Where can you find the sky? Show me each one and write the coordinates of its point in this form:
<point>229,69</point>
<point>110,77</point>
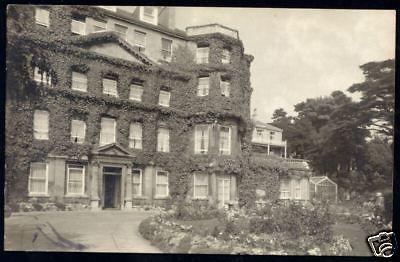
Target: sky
<point>301,53</point>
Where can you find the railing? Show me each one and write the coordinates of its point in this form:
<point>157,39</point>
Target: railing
<point>212,28</point>
<point>270,142</point>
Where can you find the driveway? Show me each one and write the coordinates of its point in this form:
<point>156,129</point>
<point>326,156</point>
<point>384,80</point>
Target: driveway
<point>88,231</point>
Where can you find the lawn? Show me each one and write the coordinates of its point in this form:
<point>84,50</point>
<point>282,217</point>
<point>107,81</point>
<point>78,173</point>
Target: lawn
<point>357,237</point>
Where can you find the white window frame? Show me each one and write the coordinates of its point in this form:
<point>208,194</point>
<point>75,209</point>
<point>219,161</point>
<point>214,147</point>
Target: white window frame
<point>195,196</point>
<point>38,20</point>
<point>225,60</point>
<point>167,94</point>
<point>200,59</point>
<point>133,138</point>
<point>30,193</point>
<point>203,89</point>
<point>140,184</point>
<point>122,35</point>
<point>225,86</point>
<point>221,150</point>
<point>44,78</point>
<point>149,19</point>
<point>81,26</point>
<point>115,94</point>
<point>284,192</point>
<point>198,137</point>
<point>80,140</point>
<point>44,133</point>
<point>166,54</point>
<point>141,46</point>
<point>80,80</point>
<point>156,193</point>
<point>115,129</point>
<point>69,167</point>
<point>133,96</point>
<point>162,137</point>
<point>99,24</point>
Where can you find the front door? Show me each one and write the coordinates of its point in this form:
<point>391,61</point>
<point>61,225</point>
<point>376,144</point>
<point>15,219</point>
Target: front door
<point>224,191</point>
<point>112,187</point>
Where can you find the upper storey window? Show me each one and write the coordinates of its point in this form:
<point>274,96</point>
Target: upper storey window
<point>42,17</point>
<point>140,40</point>
<point>202,54</point>
<point>149,14</point>
<point>203,86</point>
<point>107,131</point>
<point>110,87</point>
<point>121,30</point>
<point>41,76</point>
<point>226,56</point>
<point>41,125</point>
<point>78,25</point>
<point>79,82</point>
<point>99,26</point>
<point>136,91</point>
<point>225,87</point>
<point>164,98</point>
<point>166,49</point>
<point>225,140</point>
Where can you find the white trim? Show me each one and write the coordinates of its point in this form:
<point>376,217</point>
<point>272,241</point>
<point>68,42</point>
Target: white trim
<point>141,183</point>
<point>194,186</point>
<point>83,179</point>
<point>46,182</point>
<point>156,193</point>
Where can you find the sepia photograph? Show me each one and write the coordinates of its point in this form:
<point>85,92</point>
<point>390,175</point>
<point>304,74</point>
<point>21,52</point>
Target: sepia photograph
<point>199,130</point>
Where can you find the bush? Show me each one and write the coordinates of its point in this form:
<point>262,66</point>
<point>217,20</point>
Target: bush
<point>14,207</point>
<point>60,206</point>
<point>145,228</point>
<point>195,211</point>
<point>37,207</point>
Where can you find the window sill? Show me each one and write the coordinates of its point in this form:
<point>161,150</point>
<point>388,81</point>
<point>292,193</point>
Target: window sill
<point>39,195</point>
<point>161,197</point>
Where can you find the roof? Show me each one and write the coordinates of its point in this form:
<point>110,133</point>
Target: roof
<point>266,126</point>
<point>319,179</point>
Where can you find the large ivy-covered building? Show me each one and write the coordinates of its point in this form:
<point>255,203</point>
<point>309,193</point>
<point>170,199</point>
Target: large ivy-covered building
<point>111,118</point>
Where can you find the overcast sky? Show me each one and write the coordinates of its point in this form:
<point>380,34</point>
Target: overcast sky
<point>302,53</point>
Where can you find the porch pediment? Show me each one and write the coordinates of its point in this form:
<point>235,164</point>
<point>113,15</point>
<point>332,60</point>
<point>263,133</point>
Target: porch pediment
<point>113,150</point>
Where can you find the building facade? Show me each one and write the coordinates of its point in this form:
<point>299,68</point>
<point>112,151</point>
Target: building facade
<point>111,122</point>
<point>267,139</point>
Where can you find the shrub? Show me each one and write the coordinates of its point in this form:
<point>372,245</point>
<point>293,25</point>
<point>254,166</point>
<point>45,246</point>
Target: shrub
<point>14,207</point>
<point>37,207</point>
<point>195,211</point>
<point>145,228</point>
<point>60,206</point>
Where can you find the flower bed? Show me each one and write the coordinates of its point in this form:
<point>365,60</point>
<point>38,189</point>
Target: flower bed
<point>272,230</point>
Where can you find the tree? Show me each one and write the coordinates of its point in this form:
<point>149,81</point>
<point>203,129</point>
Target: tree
<point>378,95</point>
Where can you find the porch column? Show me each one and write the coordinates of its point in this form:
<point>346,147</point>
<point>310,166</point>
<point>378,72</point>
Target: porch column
<point>128,188</point>
<point>285,148</point>
<point>268,149</point>
<point>94,195</point>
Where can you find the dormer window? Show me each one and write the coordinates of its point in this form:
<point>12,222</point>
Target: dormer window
<point>149,14</point>
<point>78,25</point>
<point>140,40</point>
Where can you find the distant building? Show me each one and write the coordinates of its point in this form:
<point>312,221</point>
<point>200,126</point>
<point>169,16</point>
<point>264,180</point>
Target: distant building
<point>267,140</point>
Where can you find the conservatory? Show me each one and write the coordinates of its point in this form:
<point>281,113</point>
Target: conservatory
<point>323,189</point>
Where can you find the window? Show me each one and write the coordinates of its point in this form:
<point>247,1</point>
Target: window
<point>78,25</point>
<point>99,26</point>
<point>107,133</point>
<point>38,179</point>
<point>121,30</point>
<point>136,92</point>
<point>164,98</point>
<point>137,182</point>
<point>163,140</point>
<point>140,40</point>
<point>135,136</point>
<point>200,187</point>
<point>226,56</point>
<point>225,87</point>
<point>260,134</point>
<point>225,140</point>
<point>166,49</point>
<point>285,189</point>
<point>79,82</point>
<point>149,14</point>
<point>78,129</point>
<point>41,76</point>
<point>162,184</point>
<point>202,55</point>
<point>110,87</point>
<point>42,17</point>
<point>75,180</point>
<point>297,188</point>
<point>203,86</point>
<point>201,139</point>
<point>272,134</point>
<point>41,125</point>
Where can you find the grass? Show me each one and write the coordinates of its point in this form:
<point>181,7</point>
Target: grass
<point>357,237</point>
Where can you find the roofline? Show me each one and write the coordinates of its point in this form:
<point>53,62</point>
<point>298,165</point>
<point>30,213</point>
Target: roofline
<point>143,24</point>
<point>197,26</point>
